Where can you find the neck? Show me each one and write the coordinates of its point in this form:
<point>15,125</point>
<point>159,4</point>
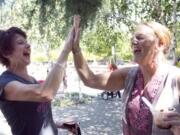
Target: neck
<point>19,71</point>
<point>153,67</point>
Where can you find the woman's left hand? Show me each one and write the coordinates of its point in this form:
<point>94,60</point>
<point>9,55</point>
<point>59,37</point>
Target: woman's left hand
<point>167,119</point>
<point>175,130</point>
<point>173,119</point>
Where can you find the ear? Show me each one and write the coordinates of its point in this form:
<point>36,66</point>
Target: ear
<point>7,56</point>
<point>160,46</point>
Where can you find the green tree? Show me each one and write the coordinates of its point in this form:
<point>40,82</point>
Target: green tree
<point>105,23</point>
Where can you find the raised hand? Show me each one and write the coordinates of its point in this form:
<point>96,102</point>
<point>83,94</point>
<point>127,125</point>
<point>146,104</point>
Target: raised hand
<point>72,40</point>
<point>76,22</point>
<point>69,40</point>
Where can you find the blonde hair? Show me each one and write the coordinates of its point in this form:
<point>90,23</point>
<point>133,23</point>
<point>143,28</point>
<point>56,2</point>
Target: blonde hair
<point>162,32</point>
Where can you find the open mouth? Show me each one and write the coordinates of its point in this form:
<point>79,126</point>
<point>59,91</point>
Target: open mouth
<point>26,54</point>
<point>137,51</point>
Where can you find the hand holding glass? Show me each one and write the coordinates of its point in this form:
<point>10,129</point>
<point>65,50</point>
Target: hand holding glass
<point>159,116</point>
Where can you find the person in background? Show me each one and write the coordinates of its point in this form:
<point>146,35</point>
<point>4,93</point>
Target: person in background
<point>152,78</point>
<point>112,67</point>
<point>25,103</point>
<point>65,80</point>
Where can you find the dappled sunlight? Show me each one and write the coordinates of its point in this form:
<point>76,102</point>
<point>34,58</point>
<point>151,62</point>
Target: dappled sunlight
<point>102,117</point>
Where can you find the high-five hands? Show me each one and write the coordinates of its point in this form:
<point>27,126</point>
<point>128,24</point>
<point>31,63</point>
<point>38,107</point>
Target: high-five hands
<point>76,22</point>
<point>72,40</point>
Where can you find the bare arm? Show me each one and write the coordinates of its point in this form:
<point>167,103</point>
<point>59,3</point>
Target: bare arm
<point>107,81</point>
<point>46,91</point>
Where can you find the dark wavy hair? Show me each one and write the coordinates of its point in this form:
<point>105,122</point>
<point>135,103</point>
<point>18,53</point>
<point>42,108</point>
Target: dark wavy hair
<point>6,43</point>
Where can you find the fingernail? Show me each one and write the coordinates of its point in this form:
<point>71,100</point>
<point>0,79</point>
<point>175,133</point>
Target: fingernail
<point>171,109</point>
<point>162,110</point>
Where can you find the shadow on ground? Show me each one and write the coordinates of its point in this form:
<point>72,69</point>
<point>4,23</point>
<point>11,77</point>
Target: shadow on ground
<point>101,117</point>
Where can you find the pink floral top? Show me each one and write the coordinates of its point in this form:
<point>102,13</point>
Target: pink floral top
<point>138,115</point>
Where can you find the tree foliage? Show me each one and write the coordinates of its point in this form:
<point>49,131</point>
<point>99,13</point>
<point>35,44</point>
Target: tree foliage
<point>47,10</point>
<point>104,23</point>
<point>87,9</point>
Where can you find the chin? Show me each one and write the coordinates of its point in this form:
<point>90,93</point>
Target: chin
<point>28,62</point>
<point>138,61</point>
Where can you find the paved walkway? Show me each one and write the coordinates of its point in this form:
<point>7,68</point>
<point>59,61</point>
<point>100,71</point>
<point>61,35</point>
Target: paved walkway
<point>101,117</point>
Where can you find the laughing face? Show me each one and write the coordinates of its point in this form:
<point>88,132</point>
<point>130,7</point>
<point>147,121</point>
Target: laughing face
<point>22,51</point>
<point>145,45</point>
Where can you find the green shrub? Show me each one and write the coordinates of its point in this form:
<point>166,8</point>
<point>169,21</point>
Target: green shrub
<point>72,99</point>
<point>178,64</point>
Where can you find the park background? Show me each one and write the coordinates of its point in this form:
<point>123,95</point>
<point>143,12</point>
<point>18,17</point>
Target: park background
<point>106,27</point>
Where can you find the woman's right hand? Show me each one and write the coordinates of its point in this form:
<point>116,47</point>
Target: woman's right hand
<point>69,40</point>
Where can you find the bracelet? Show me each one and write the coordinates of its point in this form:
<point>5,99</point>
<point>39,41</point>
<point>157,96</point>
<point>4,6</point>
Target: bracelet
<point>63,66</point>
<point>77,52</point>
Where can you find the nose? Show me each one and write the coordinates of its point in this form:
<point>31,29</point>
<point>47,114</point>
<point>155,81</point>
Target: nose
<point>134,41</point>
<point>28,45</point>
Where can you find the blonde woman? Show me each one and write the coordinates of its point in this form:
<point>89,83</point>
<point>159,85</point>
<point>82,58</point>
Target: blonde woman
<point>152,79</point>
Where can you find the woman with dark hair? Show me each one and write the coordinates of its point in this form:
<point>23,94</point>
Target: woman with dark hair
<point>25,103</point>
<point>152,79</point>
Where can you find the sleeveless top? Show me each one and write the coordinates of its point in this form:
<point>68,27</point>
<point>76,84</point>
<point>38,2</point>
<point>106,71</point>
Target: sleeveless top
<point>26,117</point>
<point>140,121</point>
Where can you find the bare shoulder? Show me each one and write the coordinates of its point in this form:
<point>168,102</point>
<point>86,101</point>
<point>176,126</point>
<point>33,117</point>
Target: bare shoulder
<point>121,74</point>
<point>176,72</point>
<point>178,83</point>
<point>15,90</point>
<point>124,70</point>
<point>178,80</point>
